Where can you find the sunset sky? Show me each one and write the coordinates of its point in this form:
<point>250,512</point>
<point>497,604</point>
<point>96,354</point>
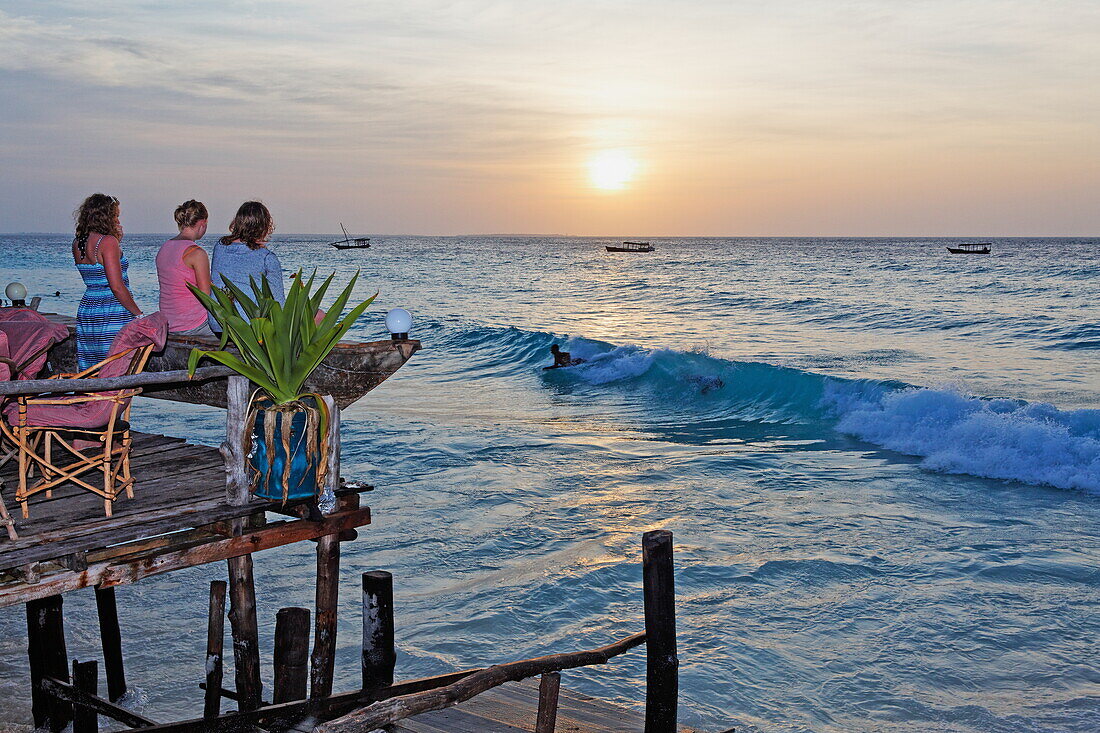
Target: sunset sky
<point>694,117</point>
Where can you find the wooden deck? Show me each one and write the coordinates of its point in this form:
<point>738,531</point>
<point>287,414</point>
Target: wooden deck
<point>178,517</point>
<point>512,708</point>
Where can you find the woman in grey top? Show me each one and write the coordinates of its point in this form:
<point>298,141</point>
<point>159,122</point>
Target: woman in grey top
<point>242,254</point>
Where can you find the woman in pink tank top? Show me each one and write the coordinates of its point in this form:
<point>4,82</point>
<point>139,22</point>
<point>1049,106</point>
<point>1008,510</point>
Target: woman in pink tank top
<point>181,262</point>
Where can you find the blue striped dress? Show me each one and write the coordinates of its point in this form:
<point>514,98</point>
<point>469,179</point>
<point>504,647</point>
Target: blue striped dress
<point>100,315</point>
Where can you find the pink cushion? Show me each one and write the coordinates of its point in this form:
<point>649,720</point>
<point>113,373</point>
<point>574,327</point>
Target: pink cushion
<point>29,332</point>
<point>151,329</point>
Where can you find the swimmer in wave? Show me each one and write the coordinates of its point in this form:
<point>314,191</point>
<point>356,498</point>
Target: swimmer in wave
<point>562,359</point>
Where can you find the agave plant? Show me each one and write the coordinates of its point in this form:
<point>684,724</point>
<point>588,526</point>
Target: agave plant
<point>279,344</point>
<point>278,347</point>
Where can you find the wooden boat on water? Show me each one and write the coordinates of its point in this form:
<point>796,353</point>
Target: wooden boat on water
<point>351,242</point>
<point>350,371</point>
<point>975,248</point>
<point>631,247</point>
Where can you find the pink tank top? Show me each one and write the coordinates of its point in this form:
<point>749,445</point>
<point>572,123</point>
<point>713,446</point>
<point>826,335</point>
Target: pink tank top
<point>177,303</point>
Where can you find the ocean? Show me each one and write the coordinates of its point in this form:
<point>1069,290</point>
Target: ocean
<point>880,462</point>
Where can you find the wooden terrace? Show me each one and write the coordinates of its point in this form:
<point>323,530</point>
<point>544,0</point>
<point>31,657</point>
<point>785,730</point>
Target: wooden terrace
<point>193,506</point>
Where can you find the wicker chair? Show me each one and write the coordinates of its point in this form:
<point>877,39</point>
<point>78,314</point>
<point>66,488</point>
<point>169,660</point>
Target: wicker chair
<point>90,430</point>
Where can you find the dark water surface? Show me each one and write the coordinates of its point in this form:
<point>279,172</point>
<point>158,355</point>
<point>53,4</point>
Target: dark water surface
<point>881,464</point>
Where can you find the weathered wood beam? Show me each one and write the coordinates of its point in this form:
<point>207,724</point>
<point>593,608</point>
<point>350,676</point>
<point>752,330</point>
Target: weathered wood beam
<point>110,635</point>
<point>109,384</point>
<point>246,634</point>
<point>387,712</point>
<point>289,713</point>
<point>215,643</point>
<point>121,572</point>
<point>64,691</point>
<point>291,654</point>
<point>323,659</point>
<point>547,717</point>
<point>85,679</point>
<point>238,484</point>
<point>379,653</point>
<point>48,658</point>
<point>662,677</point>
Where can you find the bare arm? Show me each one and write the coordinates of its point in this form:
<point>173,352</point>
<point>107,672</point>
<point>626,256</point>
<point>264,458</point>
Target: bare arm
<point>109,256</point>
<point>196,258</point>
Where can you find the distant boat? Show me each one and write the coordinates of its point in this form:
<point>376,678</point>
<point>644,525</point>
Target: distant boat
<point>351,243</point>
<point>632,247</point>
<point>977,248</point>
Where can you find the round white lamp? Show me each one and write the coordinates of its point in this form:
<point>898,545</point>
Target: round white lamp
<point>399,322</point>
<point>17,294</point>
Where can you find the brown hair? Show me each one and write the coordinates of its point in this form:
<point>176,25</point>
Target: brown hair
<point>190,213</point>
<point>99,214</point>
<point>252,225</point>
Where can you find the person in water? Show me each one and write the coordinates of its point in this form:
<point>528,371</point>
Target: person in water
<point>182,262</point>
<point>242,254</point>
<point>562,358</point>
<point>107,304</point>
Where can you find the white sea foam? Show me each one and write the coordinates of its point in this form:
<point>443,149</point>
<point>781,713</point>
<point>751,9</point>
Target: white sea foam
<point>1004,439</point>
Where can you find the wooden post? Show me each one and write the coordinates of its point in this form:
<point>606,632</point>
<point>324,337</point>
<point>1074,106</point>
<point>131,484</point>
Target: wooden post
<point>234,450</point>
<point>662,681</point>
<point>48,658</point>
<point>291,654</point>
<point>548,703</point>
<point>111,639</point>
<point>215,640</point>
<point>242,586</point>
<point>379,655</point>
<point>85,679</point>
<point>246,634</point>
<point>323,659</point>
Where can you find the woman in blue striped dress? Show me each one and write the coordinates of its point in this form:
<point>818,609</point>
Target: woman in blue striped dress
<point>107,304</point>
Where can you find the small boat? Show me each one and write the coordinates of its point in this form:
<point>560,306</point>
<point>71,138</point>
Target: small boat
<point>976,248</point>
<point>349,372</point>
<point>350,242</point>
<point>632,247</point>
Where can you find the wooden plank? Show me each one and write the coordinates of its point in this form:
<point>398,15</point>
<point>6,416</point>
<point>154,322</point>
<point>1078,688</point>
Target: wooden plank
<point>119,572</point>
<point>290,713</point>
<point>64,691</point>
<point>390,711</point>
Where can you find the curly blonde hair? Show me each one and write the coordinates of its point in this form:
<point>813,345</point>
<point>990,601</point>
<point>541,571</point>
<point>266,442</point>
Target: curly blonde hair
<point>190,213</point>
<point>98,214</point>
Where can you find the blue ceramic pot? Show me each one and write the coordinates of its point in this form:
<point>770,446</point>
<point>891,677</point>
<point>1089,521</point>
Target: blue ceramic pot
<point>303,466</point>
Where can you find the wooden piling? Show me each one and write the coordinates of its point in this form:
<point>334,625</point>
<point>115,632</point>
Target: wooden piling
<point>662,681</point>
<point>48,658</point>
<point>215,640</point>
<point>242,585</point>
<point>242,621</point>
<point>234,450</point>
<point>323,659</point>
<point>85,679</point>
<point>111,638</point>
<point>379,654</point>
<point>291,654</point>
<point>547,718</point>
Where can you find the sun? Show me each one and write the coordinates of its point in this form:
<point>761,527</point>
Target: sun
<point>611,170</point>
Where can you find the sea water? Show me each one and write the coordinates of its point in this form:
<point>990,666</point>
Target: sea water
<point>880,462</point>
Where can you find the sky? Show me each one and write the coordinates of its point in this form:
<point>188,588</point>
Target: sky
<point>583,117</point>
